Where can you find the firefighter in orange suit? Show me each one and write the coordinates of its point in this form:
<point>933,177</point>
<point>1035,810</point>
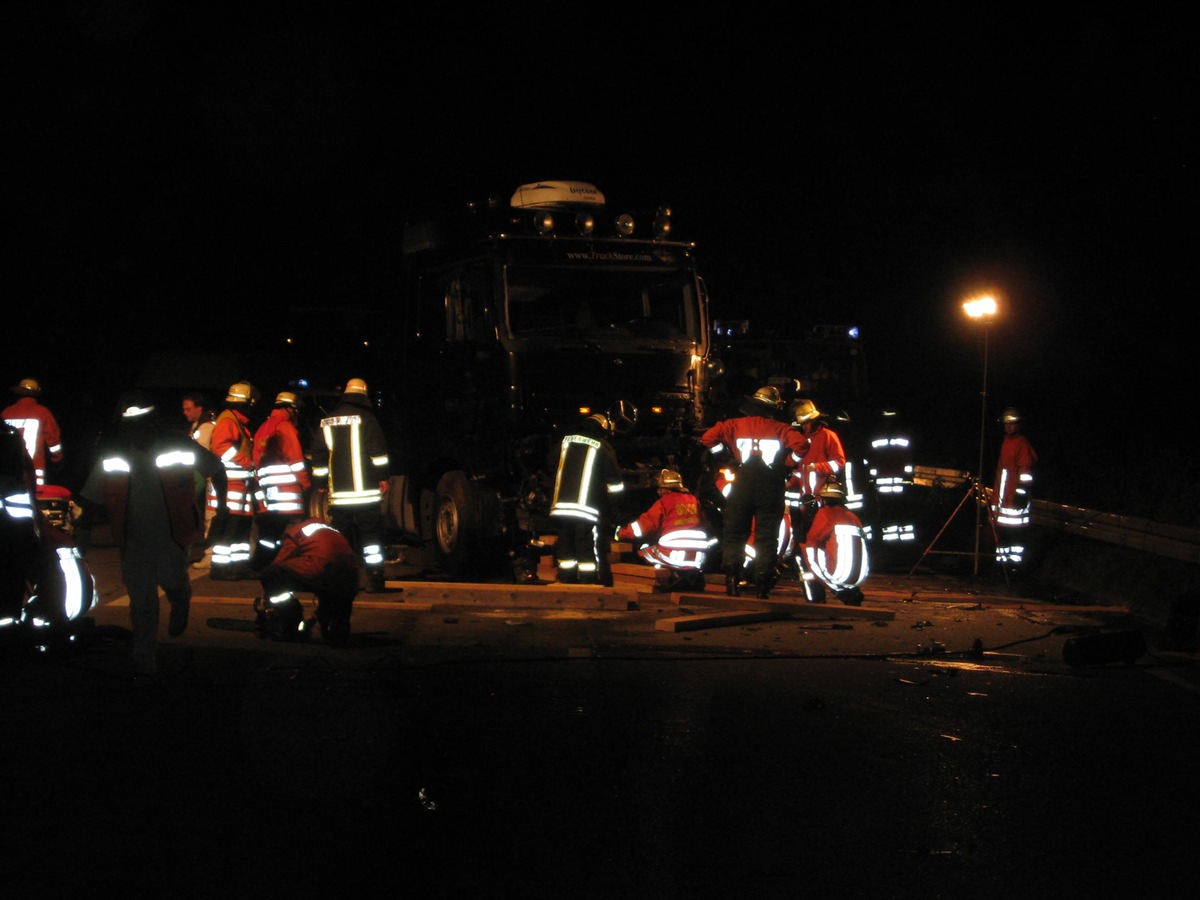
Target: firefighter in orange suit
<point>671,533</point>
<point>147,480</point>
<point>312,556</point>
<point>835,550</point>
<point>281,478</point>
<point>1011,499</point>
<point>764,451</point>
<point>37,425</point>
<point>350,461</point>
<point>233,524</point>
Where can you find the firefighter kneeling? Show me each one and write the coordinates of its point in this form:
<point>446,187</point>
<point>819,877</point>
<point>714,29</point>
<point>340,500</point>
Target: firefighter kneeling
<point>314,557</point>
<point>834,550</point>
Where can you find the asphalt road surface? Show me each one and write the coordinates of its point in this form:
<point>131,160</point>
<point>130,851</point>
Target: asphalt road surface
<point>473,742</point>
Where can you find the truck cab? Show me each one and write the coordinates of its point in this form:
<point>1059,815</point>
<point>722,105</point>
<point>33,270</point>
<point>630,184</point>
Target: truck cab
<point>519,315</point>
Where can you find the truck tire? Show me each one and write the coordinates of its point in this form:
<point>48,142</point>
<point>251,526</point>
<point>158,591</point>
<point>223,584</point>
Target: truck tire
<point>464,527</point>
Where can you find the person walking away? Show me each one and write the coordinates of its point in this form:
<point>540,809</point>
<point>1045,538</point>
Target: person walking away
<point>145,479</point>
<point>37,425</point>
<point>586,478</point>
<point>281,477</point>
<point>199,417</point>
<point>671,534</point>
<point>835,549</point>
<point>1011,499</point>
<point>233,521</point>
<point>349,456</point>
<point>763,451</point>
<point>316,557</point>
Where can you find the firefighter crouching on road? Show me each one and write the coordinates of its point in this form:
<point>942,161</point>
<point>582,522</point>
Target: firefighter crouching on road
<point>281,479</point>
<point>314,557</point>
<point>671,534</point>
<point>586,477</point>
<point>233,521</point>
<point>350,461</point>
<point>764,451</point>
<point>147,481</point>
<point>835,550</point>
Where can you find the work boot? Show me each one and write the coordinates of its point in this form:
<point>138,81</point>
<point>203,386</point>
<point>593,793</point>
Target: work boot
<point>851,597</point>
<point>733,584</point>
<point>177,623</point>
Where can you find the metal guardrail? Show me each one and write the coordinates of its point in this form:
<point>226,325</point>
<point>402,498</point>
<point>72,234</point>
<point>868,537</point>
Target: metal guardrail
<point>1172,541</point>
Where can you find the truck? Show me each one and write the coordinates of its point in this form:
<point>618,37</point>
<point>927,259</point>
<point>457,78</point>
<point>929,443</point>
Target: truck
<point>518,315</point>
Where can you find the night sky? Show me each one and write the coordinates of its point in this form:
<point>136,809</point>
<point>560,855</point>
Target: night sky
<point>177,168</point>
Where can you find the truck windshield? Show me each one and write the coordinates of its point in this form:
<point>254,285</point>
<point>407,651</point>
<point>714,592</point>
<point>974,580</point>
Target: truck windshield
<point>613,303</point>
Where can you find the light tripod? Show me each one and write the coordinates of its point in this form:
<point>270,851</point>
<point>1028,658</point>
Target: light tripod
<point>974,490</point>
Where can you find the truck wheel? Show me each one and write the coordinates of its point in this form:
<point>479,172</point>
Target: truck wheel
<point>463,526</point>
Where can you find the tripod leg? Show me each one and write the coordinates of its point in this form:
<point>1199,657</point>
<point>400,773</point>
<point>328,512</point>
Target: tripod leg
<point>991,514</point>
<point>968,495</point>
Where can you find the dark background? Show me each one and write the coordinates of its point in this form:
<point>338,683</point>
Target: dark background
<point>193,173</point>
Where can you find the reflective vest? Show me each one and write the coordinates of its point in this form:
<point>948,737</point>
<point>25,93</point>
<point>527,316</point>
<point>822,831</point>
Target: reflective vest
<point>280,471</point>
<point>233,445</point>
<point>587,471</point>
<point>175,467</point>
<point>836,548</point>
<point>671,532</point>
<point>350,452</point>
<point>40,431</point>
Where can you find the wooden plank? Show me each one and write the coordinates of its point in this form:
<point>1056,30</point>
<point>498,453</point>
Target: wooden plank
<point>792,609</point>
<point>544,596</point>
<point>715,620</point>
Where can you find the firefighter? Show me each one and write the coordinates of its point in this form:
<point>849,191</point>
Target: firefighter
<point>233,520</point>
<point>37,425</point>
<point>823,460</point>
<point>44,580</point>
<point>587,477</point>
<point>281,477</point>
<point>1011,499</point>
<point>350,463</point>
<point>835,549</point>
<point>312,556</point>
<point>146,479</point>
<point>671,534</point>
<point>762,450</point>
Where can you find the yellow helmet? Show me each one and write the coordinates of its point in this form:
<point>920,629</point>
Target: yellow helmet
<point>27,387</point>
<point>242,392</point>
<point>804,411</point>
<point>603,421</point>
<point>285,398</point>
<point>768,396</point>
<point>832,490</point>
<point>1010,415</point>
<point>670,479</point>
<point>356,386</point>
